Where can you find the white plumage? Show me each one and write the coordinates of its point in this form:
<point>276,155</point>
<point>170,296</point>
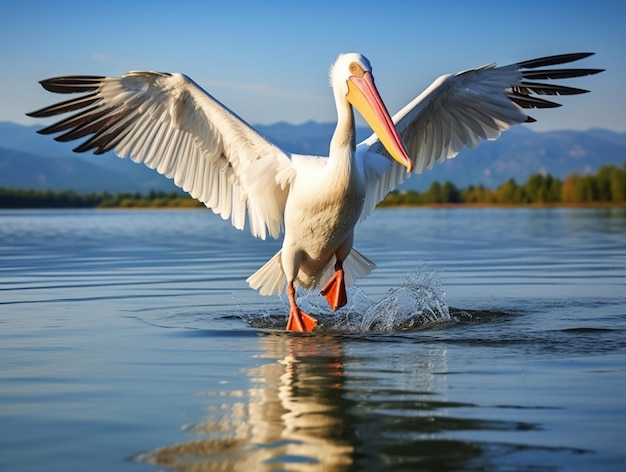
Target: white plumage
<point>170,124</point>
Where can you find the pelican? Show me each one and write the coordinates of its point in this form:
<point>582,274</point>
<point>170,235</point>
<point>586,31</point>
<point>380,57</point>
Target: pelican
<point>169,123</point>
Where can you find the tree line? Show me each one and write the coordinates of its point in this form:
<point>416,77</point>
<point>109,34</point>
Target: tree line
<point>608,185</point>
<point>18,198</point>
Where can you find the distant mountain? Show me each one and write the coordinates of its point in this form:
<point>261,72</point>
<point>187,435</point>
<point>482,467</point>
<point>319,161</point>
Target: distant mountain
<point>29,160</point>
<point>30,171</point>
<point>308,138</point>
<point>520,152</point>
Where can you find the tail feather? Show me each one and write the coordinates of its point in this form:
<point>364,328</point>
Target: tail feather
<point>355,266</point>
<point>269,279</point>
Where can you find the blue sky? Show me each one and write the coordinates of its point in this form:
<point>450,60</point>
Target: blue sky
<point>269,60</point>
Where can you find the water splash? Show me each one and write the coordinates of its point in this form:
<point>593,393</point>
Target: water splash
<point>417,303</point>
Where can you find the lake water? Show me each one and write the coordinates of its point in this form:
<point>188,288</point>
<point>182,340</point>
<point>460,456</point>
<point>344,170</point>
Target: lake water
<point>486,339</point>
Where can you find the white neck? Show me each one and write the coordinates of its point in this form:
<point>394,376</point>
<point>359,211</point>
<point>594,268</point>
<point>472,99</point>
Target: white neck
<point>343,142</point>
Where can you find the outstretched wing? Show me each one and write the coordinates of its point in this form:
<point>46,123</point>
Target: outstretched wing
<point>457,110</point>
<point>170,124</point>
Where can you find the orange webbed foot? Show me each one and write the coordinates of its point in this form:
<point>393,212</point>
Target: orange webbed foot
<point>300,321</point>
<point>335,290</point>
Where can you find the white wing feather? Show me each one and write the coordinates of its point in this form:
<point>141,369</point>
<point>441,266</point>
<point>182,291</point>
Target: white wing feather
<point>170,124</point>
<point>456,111</point>
<point>453,112</point>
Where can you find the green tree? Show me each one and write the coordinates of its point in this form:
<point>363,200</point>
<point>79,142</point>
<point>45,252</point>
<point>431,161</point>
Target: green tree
<point>586,189</point>
<point>618,184</point>
<point>603,184</point>
<point>542,189</point>
<point>449,193</point>
<point>509,192</point>
<point>433,194</point>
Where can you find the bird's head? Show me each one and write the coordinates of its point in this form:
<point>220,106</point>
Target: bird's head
<point>351,77</point>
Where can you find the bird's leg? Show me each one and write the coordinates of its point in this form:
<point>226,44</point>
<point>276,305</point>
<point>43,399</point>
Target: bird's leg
<point>298,319</point>
<point>335,288</point>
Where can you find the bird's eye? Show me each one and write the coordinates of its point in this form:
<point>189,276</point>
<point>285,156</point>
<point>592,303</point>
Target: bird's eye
<point>356,69</point>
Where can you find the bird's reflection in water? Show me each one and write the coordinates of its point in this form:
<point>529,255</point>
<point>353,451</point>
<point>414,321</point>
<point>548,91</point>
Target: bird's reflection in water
<point>292,417</point>
<point>319,402</point>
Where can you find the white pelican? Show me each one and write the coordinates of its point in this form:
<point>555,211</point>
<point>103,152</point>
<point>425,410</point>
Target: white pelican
<point>166,121</point>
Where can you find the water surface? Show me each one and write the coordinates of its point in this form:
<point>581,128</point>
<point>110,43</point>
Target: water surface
<point>485,339</point>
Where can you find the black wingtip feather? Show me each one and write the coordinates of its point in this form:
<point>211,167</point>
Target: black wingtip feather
<point>547,89</point>
<point>554,60</point>
<point>65,107</point>
<point>525,93</point>
<point>72,84</point>
<point>559,73</point>
<point>528,101</point>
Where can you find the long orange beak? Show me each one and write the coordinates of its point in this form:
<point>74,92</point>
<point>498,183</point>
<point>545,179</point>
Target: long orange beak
<point>364,96</point>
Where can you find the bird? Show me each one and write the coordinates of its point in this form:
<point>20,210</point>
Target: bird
<point>169,123</point>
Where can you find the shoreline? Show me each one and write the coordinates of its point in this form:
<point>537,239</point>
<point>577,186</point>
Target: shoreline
<point>459,206</point>
<point>508,205</point>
